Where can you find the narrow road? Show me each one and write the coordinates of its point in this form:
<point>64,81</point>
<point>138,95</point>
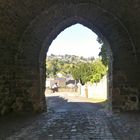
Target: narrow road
<point>70,118</point>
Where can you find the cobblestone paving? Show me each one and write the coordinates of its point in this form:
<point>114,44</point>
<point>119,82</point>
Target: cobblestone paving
<point>70,120</point>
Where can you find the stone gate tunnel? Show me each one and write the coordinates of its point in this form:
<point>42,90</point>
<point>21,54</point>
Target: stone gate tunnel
<point>27,29</point>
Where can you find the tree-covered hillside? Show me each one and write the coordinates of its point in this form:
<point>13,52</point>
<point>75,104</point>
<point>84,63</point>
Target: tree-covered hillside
<point>82,69</point>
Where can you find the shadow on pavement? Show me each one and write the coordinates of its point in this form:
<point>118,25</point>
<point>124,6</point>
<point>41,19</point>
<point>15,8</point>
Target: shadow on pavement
<point>57,103</point>
<point>13,122</point>
<point>126,124</point>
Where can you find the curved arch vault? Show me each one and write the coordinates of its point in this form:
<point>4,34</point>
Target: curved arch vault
<point>29,73</point>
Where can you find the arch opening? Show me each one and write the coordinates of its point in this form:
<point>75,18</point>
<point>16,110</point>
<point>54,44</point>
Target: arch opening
<point>44,28</point>
<point>90,56</point>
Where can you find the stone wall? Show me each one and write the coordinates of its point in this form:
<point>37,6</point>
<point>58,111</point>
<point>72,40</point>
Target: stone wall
<point>27,29</point>
<point>126,98</point>
<point>96,91</point>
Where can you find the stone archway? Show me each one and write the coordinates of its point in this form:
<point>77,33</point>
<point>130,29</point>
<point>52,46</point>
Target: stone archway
<point>46,26</point>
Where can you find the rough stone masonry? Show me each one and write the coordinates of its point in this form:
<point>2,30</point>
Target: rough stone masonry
<point>27,28</point>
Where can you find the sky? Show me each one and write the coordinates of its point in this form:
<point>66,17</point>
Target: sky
<point>75,40</point>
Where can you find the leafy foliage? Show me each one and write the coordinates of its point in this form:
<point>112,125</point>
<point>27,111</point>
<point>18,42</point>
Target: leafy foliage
<point>63,64</point>
<point>98,71</point>
<point>52,68</point>
<point>103,52</point>
<point>81,72</point>
<point>82,69</point>
<point>104,55</point>
<point>89,72</point>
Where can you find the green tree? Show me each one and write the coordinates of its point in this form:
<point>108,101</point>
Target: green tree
<point>103,53</point>
<point>98,71</point>
<point>65,69</point>
<point>89,72</point>
<point>81,72</point>
<point>52,67</point>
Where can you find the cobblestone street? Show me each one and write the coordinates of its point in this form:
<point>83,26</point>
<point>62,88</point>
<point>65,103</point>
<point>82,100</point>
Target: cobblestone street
<point>74,118</point>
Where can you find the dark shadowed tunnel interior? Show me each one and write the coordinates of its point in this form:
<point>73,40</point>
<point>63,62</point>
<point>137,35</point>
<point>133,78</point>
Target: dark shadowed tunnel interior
<point>27,28</point>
